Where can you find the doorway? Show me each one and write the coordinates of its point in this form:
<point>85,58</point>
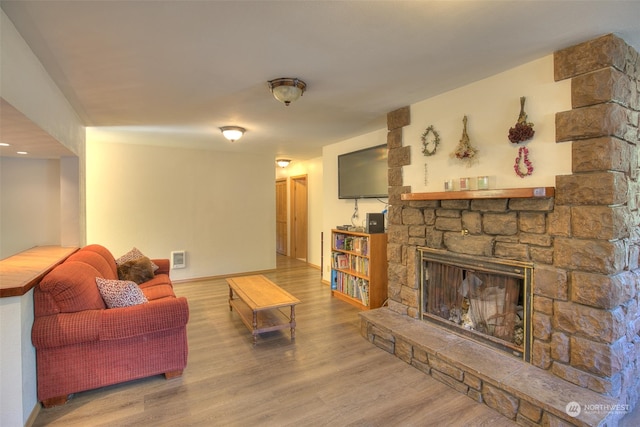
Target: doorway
<point>299,215</point>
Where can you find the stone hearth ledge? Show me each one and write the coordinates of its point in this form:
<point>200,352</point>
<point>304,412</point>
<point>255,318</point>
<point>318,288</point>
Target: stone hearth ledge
<point>513,376</point>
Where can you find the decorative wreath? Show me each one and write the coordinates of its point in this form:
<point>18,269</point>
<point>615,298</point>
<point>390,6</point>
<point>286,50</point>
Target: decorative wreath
<point>425,142</point>
<point>523,156</point>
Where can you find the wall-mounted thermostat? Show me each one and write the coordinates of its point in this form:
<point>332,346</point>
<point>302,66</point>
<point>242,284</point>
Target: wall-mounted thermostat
<point>178,259</point>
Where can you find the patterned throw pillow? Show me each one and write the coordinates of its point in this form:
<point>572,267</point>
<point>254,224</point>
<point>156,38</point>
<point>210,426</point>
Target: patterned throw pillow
<point>132,255</point>
<point>120,293</point>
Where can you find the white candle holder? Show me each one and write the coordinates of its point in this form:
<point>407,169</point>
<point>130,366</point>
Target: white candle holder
<point>483,182</point>
<point>464,184</point>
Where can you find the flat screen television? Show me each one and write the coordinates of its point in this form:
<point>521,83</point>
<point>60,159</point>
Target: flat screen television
<point>363,173</point>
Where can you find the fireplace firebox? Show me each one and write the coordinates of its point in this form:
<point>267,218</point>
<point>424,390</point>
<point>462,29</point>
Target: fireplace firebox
<point>484,299</point>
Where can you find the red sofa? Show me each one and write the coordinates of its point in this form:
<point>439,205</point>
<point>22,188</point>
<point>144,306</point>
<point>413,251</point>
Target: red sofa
<point>81,344</point>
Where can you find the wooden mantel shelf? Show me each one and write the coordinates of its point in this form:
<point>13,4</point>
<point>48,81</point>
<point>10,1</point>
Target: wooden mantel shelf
<point>505,193</point>
<point>21,272</point>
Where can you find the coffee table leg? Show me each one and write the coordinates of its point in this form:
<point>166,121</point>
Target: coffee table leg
<point>230,298</point>
<point>293,322</point>
<point>255,327</point>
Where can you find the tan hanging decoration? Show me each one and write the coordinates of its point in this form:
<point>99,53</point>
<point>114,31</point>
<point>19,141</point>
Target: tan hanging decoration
<point>523,130</point>
<point>465,151</point>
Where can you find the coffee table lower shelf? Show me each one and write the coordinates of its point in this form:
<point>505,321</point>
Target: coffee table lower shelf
<point>263,321</point>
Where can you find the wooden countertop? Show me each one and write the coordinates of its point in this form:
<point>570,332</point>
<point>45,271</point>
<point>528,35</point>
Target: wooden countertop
<point>21,272</point>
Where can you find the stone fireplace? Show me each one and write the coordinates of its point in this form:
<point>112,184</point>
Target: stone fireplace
<point>583,239</point>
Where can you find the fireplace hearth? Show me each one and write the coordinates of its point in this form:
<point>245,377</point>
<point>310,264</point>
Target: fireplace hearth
<point>483,299</point>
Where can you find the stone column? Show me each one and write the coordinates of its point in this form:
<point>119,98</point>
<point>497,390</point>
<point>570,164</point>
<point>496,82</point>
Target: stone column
<point>399,292</point>
<point>594,340</point>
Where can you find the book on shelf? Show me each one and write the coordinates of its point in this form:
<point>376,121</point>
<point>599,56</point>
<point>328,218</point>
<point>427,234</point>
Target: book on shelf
<point>363,288</point>
<point>343,261</point>
<point>348,243</point>
<point>339,260</point>
<point>355,287</point>
<point>360,245</point>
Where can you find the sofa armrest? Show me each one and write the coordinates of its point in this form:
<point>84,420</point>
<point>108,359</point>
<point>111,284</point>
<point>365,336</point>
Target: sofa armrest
<point>164,267</point>
<point>154,316</point>
<point>63,329</point>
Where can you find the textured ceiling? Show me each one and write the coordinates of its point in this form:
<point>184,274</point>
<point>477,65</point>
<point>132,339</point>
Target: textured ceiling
<point>172,72</point>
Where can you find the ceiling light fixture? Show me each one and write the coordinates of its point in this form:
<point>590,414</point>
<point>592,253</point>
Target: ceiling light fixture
<point>283,163</point>
<point>232,133</point>
<point>286,89</point>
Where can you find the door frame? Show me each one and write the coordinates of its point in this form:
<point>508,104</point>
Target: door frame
<point>293,232</point>
<point>284,181</point>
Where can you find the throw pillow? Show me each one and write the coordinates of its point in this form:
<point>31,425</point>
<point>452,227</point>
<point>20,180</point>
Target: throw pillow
<point>138,270</point>
<point>131,255</point>
<point>120,293</point>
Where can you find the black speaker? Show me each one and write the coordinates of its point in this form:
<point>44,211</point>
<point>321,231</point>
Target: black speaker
<point>375,223</point>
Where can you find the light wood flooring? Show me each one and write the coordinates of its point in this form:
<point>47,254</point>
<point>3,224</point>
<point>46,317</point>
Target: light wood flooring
<point>329,376</point>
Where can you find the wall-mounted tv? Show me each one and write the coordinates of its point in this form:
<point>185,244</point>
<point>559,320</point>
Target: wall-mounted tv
<point>363,173</point>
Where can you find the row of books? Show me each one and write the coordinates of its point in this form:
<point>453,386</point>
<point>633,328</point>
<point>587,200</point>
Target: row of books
<point>355,287</point>
<point>351,243</point>
<point>350,262</point>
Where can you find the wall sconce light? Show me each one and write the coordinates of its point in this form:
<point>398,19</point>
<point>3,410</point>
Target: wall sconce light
<point>287,89</point>
<point>283,163</point>
<point>232,133</point>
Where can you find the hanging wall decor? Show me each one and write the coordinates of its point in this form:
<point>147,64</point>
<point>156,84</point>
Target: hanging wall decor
<point>465,151</point>
<point>523,157</point>
<point>430,138</point>
<point>523,130</point>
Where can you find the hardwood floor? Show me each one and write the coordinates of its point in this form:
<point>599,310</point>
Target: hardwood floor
<point>329,375</point>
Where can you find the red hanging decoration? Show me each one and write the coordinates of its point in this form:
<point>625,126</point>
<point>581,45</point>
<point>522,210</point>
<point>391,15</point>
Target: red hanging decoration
<point>523,130</point>
<point>523,156</point>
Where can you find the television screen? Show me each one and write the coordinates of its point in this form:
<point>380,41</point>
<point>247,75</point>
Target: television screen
<point>363,173</point>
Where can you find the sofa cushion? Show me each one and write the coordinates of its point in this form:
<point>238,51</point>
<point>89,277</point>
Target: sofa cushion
<point>120,293</point>
<point>132,255</point>
<point>138,270</point>
<point>72,287</point>
<point>108,257</point>
<point>95,260</point>
<point>158,287</point>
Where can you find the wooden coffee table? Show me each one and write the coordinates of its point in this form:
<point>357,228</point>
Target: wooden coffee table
<point>260,304</point>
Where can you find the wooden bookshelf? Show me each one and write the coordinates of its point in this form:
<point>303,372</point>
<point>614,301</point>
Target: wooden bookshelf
<point>359,268</point>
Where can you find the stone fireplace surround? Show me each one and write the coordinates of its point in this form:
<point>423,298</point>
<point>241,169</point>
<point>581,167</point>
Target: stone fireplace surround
<point>584,242</point>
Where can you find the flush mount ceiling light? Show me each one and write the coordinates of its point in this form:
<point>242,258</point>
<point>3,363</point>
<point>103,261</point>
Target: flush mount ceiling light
<point>283,163</point>
<point>286,89</point>
<point>232,133</point>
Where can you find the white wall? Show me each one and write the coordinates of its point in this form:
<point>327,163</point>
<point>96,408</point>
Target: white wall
<point>340,211</point>
<point>492,107</point>
<point>314,171</point>
<point>30,209</point>
<point>28,88</point>
<point>217,206</point>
